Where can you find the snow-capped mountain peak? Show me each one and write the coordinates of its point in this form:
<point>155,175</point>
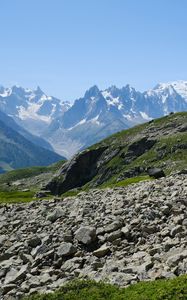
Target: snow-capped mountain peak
<point>173,87</point>
<point>31,108</point>
<point>96,115</point>
<point>181,88</point>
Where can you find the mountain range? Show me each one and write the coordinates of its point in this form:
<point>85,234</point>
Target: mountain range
<point>69,128</point>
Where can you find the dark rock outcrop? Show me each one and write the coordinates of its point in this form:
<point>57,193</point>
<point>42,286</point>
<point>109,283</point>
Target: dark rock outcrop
<point>77,172</point>
<point>139,147</point>
<point>156,173</point>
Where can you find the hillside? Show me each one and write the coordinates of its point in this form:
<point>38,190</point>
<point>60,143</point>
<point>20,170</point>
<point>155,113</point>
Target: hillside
<point>118,226</point>
<point>17,152</point>
<point>120,236</point>
<point>127,154</point>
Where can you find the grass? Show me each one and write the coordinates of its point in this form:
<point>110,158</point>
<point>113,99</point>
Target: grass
<point>71,193</point>
<point>168,159</point>
<point>16,197</point>
<point>172,289</point>
<point>29,172</point>
<point>128,181</point>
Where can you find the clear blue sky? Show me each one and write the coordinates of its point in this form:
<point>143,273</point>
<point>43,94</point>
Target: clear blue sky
<point>66,46</point>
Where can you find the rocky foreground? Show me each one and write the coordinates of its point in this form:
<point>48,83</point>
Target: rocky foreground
<point>120,235</point>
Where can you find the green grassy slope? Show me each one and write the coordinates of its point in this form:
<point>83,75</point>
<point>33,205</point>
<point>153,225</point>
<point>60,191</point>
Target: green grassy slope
<point>129,153</point>
<point>21,185</point>
<point>173,289</point>
<point>29,172</point>
<point>169,151</point>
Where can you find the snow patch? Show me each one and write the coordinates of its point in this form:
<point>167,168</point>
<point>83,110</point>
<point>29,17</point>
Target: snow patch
<point>181,88</point>
<point>145,116</point>
<point>6,93</point>
<point>95,120</point>
<point>31,113</point>
<point>79,123</point>
<point>128,117</point>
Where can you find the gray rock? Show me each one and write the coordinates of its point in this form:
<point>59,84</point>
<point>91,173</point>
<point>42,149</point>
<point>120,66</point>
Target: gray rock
<point>141,235</point>
<point>125,231</point>
<point>102,251</point>
<point>113,226</point>
<point>14,275</point>
<point>56,214</point>
<point>66,249</point>
<point>7,288</point>
<point>34,241</point>
<point>26,258</point>
<point>3,238</point>
<point>86,235</point>
<point>114,235</point>
<point>39,250</point>
<point>173,261</point>
<point>45,278</point>
<point>175,230</point>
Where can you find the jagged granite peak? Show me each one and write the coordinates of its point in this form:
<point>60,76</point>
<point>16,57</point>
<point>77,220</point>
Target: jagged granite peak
<point>1,88</point>
<point>92,92</point>
<point>16,89</point>
<point>39,91</point>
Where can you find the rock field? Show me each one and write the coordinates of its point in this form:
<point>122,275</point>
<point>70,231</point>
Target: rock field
<point>121,235</point>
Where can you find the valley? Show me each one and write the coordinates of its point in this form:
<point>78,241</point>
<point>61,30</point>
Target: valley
<point>100,216</point>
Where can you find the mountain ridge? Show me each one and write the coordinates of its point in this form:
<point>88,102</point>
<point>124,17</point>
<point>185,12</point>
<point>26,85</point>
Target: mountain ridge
<point>99,108</point>
<point>70,128</point>
<point>18,152</point>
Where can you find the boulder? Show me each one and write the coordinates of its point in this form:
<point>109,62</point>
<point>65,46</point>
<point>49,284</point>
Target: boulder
<point>66,249</point>
<point>156,173</point>
<point>34,241</point>
<point>102,251</point>
<point>86,235</point>
<point>56,214</point>
<point>14,275</point>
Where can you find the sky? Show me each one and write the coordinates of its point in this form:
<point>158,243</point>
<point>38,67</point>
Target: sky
<point>67,46</point>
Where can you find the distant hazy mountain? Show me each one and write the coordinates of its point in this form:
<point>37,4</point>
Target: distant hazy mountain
<point>18,152</point>
<point>92,117</point>
<point>32,138</point>
<point>32,109</point>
